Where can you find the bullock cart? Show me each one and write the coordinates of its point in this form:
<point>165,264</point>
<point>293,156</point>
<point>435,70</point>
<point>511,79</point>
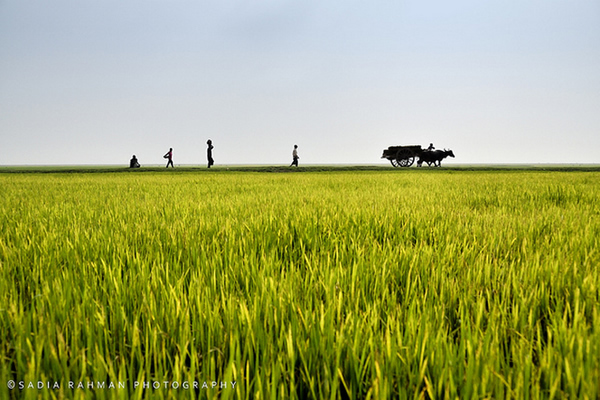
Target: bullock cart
<point>402,156</point>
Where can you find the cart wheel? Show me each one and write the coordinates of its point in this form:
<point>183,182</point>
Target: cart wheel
<point>404,158</point>
<point>407,162</point>
<point>394,162</point>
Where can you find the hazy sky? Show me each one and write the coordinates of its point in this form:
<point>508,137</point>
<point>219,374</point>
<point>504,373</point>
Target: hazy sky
<point>498,81</point>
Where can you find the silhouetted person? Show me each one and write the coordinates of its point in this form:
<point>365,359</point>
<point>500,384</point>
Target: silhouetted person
<point>209,153</point>
<point>133,163</point>
<point>430,148</point>
<point>295,156</point>
<point>169,156</point>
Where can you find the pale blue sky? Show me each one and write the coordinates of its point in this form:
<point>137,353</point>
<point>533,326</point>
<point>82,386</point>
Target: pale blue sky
<point>93,82</point>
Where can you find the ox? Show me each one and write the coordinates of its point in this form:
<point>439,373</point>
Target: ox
<point>434,157</point>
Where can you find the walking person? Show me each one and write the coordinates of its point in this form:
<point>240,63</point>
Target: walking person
<point>169,157</point>
<point>209,153</point>
<point>295,156</point>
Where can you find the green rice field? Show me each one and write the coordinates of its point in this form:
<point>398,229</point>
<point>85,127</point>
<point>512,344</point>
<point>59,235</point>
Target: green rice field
<point>319,283</point>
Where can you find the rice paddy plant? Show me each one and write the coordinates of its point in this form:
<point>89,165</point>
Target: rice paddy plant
<point>370,284</point>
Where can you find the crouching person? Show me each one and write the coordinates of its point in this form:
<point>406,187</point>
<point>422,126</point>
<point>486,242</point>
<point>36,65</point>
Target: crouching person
<point>133,163</point>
